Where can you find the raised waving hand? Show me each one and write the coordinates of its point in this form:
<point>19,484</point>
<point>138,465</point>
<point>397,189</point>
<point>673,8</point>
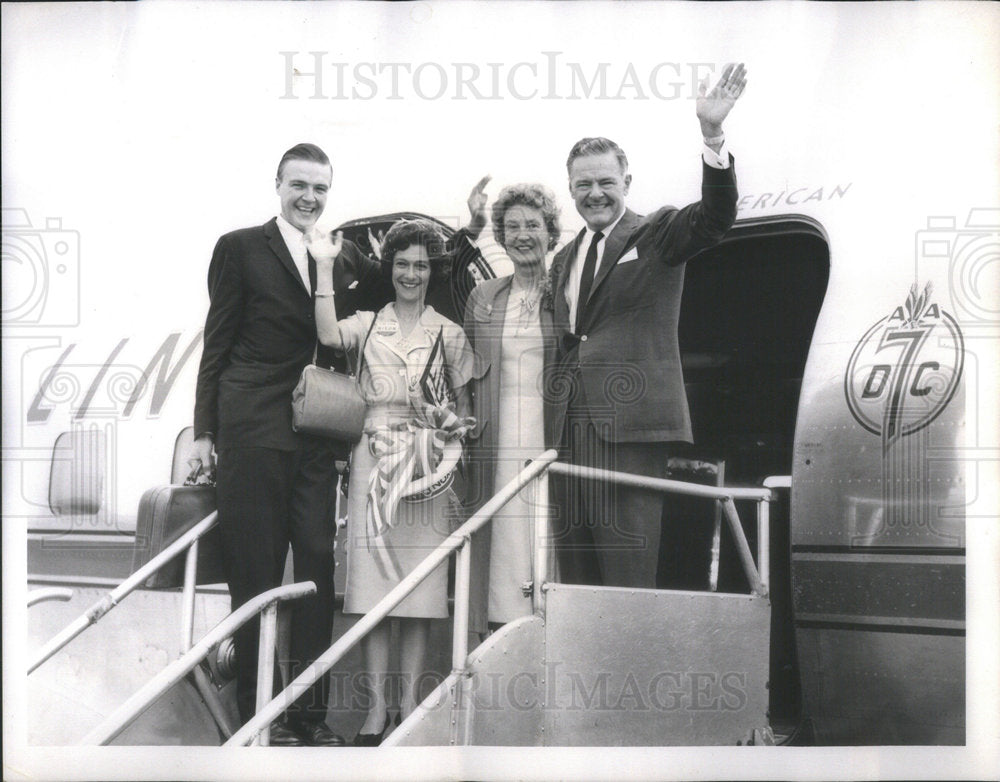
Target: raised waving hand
<point>712,107</point>
<point>477,206</point>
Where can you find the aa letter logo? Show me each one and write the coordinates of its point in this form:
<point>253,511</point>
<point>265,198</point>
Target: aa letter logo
<point>905,369</point>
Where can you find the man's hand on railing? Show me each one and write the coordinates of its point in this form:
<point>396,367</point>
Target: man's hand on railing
<point>697,466</point>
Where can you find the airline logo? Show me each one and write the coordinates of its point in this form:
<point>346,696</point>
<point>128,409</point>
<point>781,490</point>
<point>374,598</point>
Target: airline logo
<point>905,369</point>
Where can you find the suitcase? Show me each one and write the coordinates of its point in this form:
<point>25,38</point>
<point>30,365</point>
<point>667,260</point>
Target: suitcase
<point>166,513</point>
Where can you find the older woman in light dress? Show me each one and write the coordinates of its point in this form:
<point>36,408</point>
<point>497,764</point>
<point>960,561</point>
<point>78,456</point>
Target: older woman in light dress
<point>509,324</point>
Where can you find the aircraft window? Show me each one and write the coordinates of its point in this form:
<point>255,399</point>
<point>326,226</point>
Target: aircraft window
<point>76,480</point>
<point>180,469</point>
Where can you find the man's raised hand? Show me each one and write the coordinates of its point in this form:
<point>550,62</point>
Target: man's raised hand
<point>375,242</point>
<point>477,206</point>
<point>713,107</point>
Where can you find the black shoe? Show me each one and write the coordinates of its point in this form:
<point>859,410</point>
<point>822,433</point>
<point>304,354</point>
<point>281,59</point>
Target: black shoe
<point>372,739</point>
<point>317,733</point>
<point>284,736</point>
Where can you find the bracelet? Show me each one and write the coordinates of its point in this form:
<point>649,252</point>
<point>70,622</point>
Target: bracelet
<point>715,139</point>
<point>324,294</point>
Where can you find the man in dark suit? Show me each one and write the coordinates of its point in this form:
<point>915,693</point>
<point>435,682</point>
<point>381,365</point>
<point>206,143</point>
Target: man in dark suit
<point>617,294</point>
<point>275,487</point>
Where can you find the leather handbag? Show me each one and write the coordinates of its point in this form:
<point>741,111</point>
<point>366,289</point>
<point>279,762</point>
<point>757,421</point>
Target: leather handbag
<point>327,403</point>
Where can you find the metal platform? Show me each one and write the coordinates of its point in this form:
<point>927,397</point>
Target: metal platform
<point>610,667</point>
<point>101,668</point>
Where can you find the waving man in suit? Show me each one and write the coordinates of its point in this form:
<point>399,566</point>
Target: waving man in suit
<point>617,297</point>
<point>275,487</point>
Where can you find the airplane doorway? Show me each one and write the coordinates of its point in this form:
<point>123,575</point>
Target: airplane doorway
<point>749,309</point>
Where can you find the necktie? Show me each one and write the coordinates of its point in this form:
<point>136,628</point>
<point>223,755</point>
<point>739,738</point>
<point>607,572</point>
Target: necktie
<point>587,279</point>
<point>312,273</point>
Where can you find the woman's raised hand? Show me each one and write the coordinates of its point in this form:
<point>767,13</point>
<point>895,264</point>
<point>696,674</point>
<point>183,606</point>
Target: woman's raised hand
<point>323,246</point>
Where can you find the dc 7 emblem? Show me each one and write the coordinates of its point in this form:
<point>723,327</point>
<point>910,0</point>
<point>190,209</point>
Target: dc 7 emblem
<point>905,369</point>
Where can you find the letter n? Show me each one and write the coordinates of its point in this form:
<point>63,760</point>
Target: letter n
<point>164,379</point>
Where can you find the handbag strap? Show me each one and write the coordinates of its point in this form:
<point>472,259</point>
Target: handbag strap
<point>347,353</point>
<point>361,349</point>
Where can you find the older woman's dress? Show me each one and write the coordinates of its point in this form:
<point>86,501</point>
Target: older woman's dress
<point>520,436</point>
<point>511,338</point>
<point>394,363</point>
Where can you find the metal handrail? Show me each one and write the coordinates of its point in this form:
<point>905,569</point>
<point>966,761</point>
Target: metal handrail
<point>93,614</point>
<point>536,470</point>
<point>118,720</point>
<point>726,495</point>
<point>458,539</point>
<point>661,484</point>
<point>36,596</point>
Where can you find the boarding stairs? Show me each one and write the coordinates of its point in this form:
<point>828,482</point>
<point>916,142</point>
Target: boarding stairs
<point>592,666</point>
<point>596,666</point>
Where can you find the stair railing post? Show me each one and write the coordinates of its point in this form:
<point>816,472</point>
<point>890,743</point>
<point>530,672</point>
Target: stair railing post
<point>460,640</point>
<point>764,542</point>
<point>540,542</point>
<point>265,667</point>
<point>187,608</point>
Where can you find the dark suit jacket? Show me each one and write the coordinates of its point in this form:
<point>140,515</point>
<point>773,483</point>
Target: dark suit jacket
<point>260,332</point>
<point>627,353</point>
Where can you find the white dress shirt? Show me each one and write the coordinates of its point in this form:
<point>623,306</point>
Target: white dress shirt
<point>576,270</point>
<point>712,158</point>
<point>295,241</point>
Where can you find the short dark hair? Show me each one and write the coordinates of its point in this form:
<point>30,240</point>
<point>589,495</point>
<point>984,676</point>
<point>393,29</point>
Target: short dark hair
<point>597,146</point>
<point>304,151</point>
<point>421,232</point>
<point>526,194</point>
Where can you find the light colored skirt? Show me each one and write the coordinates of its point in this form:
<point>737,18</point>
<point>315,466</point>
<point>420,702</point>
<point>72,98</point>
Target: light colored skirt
<point>418,529</point>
